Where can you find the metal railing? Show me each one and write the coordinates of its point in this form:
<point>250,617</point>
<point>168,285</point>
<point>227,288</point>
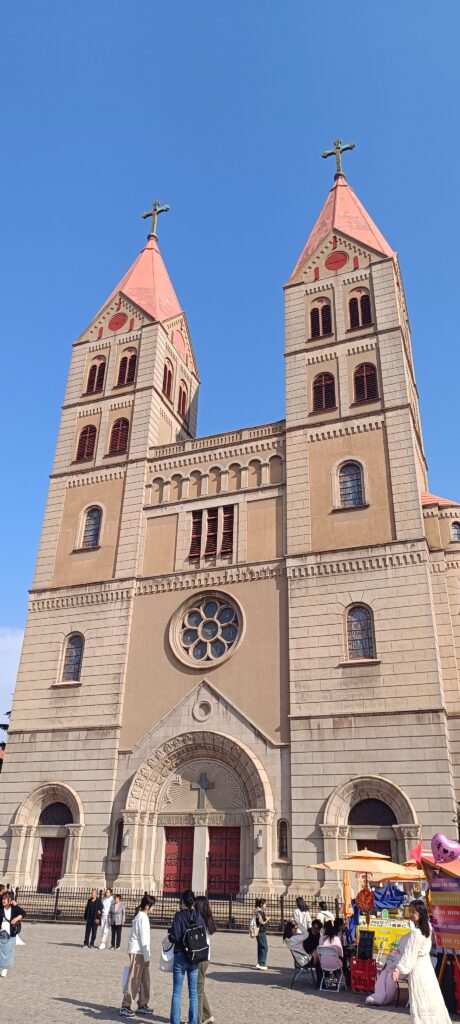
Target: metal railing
<point>231,912</point>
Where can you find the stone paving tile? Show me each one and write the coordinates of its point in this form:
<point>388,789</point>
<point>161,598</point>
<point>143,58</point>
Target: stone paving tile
<point>56,981</point>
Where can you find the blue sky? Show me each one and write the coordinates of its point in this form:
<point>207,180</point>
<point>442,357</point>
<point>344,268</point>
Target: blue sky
<point>221,110</point>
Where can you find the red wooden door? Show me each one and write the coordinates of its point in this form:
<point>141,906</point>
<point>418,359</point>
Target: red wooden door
<point>224,861</point>
<point>178,859</point>
<point>51,865</point>
<point>376,845</point>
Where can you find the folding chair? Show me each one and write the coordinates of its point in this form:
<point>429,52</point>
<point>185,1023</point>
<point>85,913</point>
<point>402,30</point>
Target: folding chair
<point>332,969</point>
<point>302,965</point>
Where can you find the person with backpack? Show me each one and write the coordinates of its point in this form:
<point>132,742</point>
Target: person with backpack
<point>188,933</point>
<point>138,980</point>
<point>202,906</point>
<point>258,930</point>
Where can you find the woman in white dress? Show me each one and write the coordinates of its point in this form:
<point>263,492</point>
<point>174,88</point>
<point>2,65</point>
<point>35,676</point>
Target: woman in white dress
<point>427,1005</point>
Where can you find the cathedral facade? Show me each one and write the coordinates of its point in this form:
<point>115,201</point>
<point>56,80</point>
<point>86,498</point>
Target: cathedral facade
<point>242,651</point>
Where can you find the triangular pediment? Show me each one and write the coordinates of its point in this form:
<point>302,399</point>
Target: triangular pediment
<point>337,254</point>
<point>119,316</point>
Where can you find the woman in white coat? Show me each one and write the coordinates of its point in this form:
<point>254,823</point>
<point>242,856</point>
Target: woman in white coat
<point>138,980</point>
<point>427,1005</point>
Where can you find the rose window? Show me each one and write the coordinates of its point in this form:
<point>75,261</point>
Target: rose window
<point>209,628</point>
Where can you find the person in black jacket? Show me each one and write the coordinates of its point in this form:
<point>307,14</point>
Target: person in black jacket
<point>93,914</point>
<point>10,926</point>
<point>185,918</point>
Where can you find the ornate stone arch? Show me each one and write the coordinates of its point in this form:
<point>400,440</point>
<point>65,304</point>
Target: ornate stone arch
<point>373,787</point>
<point>29,811</point>
<point>27,833</point>
<point>150,778</point>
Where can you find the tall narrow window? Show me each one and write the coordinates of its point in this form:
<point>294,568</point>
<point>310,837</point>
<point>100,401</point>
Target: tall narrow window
<point>211,533</point>
<point>315,322</point>
<point>351,485</point>
<point>195,540</point>
<point>227,530</point>
<point>119,437</point>
<point>455,531</point>
<point>182,403</point>
<point>96,376</point>
<point>86,443</point>
<point>366,386</point>
<point>360,633</point>
<point>365,304</point>
<point>118,846</point>
<point>127,368</point>
<point>323,392</point>
<point>282,839</point>
<point>326,321</point>
<point>92,528</point>
<point>167,379</point>
<point>354,313</point>
<point>359,308</point>
<point>73,658</point>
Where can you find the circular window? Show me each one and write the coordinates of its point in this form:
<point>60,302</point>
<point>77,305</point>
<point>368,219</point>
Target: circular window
<point>207,629</point>
<point>202,710</point>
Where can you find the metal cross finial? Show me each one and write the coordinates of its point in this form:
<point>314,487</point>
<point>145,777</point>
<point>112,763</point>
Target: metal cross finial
<point>202,785</point>
<point>337,152</point>
<point>153,213</point>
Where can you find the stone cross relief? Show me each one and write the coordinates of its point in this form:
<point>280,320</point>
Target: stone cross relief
<point>202,786</point>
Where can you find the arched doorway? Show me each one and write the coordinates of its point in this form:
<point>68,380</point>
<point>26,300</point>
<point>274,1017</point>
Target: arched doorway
<point>46,836</point>
<point>369,811</point>
<point>199,813</point>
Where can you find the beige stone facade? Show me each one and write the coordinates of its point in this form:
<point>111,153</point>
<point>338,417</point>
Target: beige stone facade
<point>222,691</point>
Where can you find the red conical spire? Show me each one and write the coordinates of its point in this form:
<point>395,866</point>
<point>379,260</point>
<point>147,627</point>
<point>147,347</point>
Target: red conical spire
<point>344,213</point>
<point>147,283</point>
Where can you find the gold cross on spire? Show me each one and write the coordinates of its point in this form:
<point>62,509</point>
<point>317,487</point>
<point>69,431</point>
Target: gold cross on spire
<point>153,213</point>
<point>337,152</point>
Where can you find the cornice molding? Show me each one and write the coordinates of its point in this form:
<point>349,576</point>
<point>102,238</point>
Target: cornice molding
<point>363,563</point>
<point>321,357</point>
<point>97,477</point>
<point>366,346</point>
<point>213,441</point>
<point>218,455</point>
<point>122,403</point>
<point>345,430</point>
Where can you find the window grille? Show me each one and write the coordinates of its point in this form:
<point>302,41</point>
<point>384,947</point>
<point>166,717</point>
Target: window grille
<point>182,403</point>
<point>92,528</point>
<point>86,443</point>
<point>56,814</point>
<point>96,376</point>
<point>73,658</point>
<point>314,323</point>
<point>456,531</point>
<point>326,321</point>
<point>195,541</point>
<point>119,437</point>
<point>211,532</point>
<point>351,485</point>
<point>360,633</point>
<point>323,392</point>
<point>366,315</point>
<point>227,530</point>
<point>354,313</point>
<point>167,379</point>
<point>366,387</point>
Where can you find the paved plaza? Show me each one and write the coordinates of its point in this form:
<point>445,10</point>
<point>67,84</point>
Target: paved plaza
<point>55,980</point>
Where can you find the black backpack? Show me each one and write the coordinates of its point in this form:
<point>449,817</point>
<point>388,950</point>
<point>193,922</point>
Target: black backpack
<point>195,943</point>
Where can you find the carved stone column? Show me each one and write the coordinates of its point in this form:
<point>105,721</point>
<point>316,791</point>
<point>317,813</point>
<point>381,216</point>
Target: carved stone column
<point>262,824</point>
<point>332,834</point>
<point>407,836</point>
<point>129,876</point>
<point>200,852</point>
<point>16,855</point>
<point>70,876</point>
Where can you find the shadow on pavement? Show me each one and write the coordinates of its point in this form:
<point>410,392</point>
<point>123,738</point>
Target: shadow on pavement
<point>97,1011</point>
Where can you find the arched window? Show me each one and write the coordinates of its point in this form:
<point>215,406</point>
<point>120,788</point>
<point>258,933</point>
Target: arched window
<point>371,812</point>
<point>73,658</point>
<point>96,376</point>
<point>320,319</point>
<point>92,527</point>
<point>194,487</point>
<point>215,481</point>
<point>183,402</point>
<point>360,632</point>
<point>167,379</point>
<point>366,385</point>
<point>276,469</point>
<point>283,846</point>
<point>323,392</point>
<point>175,488</point>
<point>254,473</point>
<point>234,477</point>
<point>86,443</point>
<point>118,847</point>
<point>455,531</point>
<point>119,437</point>
<point>56,814</point>
<point>359,308</point>
<point>157,491</point>
<point>351,485</point>
<point>127,367</point>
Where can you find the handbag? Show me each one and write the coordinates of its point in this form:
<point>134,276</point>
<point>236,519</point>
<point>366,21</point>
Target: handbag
<point>254,926</point>
<point>166,955</point>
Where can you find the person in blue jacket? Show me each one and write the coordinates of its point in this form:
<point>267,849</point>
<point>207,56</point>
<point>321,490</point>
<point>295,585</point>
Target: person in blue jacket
<point>185,918</point>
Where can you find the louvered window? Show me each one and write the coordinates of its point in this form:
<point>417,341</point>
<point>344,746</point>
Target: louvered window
<point>127,368</point>
<point>167,379</point>
<point>96,376</point>
<point>86,443</point>
<point>351,485</point>
<point>323,392</point>
<point>195,540</point>
<point>119,437</point>
<point>227,530</point>
<point>326,322</point>
<point>73,658</point>
<point>211,533</point>
<point>353,306</point>
<point>360,633</point>
<point>92,530</point>
<point>455,531</point>
<point>366,387</point>
<point>366,316</point>
<point>182,404</point>
<point>315,323</point>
